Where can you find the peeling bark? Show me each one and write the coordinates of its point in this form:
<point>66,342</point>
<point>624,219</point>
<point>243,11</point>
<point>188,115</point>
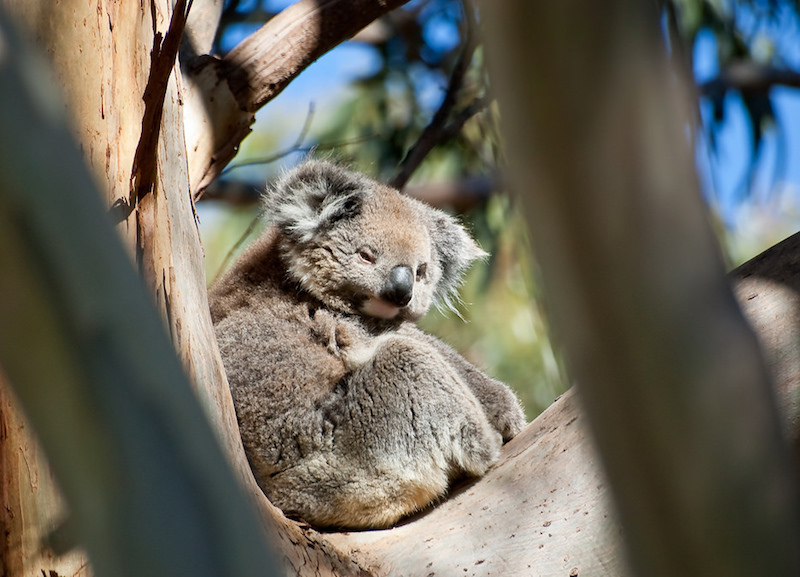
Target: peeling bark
<point>32,505</point>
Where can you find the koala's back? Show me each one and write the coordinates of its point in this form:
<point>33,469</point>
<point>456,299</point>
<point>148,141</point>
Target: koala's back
<point>267,338</point>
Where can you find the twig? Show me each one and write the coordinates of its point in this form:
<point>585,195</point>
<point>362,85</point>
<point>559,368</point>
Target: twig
<point>455,125</point>
<point>229,255</point>
<point>287,151</point>
<point>277,156</point>
<point>438,130</point>
<point>749,77</point>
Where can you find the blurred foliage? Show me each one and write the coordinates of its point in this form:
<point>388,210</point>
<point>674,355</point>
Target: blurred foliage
<point>756,46</point>
<point>373,122</point>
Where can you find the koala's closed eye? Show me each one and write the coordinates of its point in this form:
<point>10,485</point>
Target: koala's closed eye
<point>422,271</point>
<point>366,256</point>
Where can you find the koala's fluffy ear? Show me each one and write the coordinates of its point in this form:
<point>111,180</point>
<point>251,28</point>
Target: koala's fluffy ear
<point>313,196</point>
<point>456,252</point>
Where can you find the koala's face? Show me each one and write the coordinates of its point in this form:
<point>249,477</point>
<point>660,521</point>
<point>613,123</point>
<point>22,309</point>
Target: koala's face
<point>363,248</point>
<point>380,262</point>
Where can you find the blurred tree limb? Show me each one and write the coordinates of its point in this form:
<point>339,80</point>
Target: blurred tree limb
<point>670,376</point>
<point>749,77</point>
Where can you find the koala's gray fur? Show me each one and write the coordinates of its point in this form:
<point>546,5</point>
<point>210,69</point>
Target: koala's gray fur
<point>350,415</point>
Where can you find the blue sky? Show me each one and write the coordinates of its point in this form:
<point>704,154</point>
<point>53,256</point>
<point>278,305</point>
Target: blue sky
<point>778,158</point>
<point>763,214</point>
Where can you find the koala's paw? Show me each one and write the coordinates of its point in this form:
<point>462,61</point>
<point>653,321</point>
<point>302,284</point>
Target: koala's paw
<point>506,415</point>
<point>480,446</point>
<point>358,352</point>
<point>343,340</point>
<point>324,327</point>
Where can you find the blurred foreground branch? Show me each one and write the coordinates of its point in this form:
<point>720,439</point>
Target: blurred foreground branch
<point>669,373</point>
<point>749,77</point>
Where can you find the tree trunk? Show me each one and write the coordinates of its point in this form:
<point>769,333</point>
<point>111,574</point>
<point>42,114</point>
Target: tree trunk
<point>124,95</point>
<point>32,506</point>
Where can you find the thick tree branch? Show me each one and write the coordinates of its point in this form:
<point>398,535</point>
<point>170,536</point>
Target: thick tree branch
<point>261,66</point>
<point>224,95</point>
<point>545,508</point>
<point>201,28</point>
<point>145,478</point>
<point>768,290</point>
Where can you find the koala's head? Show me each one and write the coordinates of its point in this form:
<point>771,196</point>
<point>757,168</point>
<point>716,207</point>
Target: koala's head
<point>363,248</point>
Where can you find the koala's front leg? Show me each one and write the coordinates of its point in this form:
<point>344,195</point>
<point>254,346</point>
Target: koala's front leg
<point>501,405</point>
<point>404,426</point>
<point>406,398</point>
<point>345,340</point>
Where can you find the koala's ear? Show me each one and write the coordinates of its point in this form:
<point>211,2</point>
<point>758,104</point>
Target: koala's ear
<point>456,251</point>
<point>314,196</point>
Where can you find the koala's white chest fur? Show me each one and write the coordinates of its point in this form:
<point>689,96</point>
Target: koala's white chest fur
<point>350,415</point>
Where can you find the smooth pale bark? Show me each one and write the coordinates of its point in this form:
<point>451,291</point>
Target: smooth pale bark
<point>768,290</point>
<point>147,484</point>
<point>32,504</point>
<point>201,28</point>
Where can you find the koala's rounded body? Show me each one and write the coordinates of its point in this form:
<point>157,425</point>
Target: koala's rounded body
<point>350,415</point>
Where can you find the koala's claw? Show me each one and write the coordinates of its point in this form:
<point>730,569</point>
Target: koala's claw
<point>509,425</point>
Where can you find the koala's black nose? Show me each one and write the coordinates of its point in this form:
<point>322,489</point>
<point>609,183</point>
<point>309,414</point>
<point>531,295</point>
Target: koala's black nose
<point>400,286</point>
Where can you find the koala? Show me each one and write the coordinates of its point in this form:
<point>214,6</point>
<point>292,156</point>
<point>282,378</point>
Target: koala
<point>350,415</point>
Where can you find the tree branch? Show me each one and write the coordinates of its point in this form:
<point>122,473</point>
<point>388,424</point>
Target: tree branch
<point>460,195</point>
<point>438,129</point>
<point>670,375</point>
<point>265,62</point>
<point>201,28</point>
<point>149,487</point>
<point>749,77</point>
<point>224,94</point>
<point>545,508</point>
